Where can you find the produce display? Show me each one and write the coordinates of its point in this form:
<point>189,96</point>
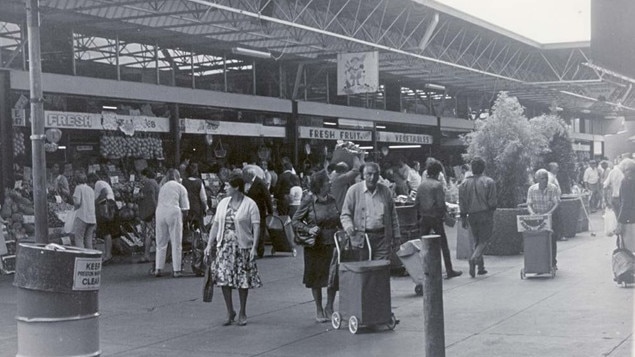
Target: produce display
<point>114,146</point>
<point>19,147</point>
<point>14,209</point>
<point>346,151</point>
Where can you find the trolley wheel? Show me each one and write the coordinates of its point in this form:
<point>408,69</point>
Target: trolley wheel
<point>393,321</point>
<point>419,289</point>
<point>522,274</point>
<point>336,320</point>
<point>294,252</point>
<point>353,324</point>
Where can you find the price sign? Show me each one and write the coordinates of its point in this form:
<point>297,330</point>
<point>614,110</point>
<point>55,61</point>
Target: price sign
<point>132,177</point>
<point>18,184</point>
<point>135,191</point>
<point>119,204</point>
<point>114,179</point>
<point>29,219</point>
<point>58,199</point>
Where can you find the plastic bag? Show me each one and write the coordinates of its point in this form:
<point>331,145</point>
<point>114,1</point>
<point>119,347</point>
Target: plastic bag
<point>610,222</point>
<point>70,221</point>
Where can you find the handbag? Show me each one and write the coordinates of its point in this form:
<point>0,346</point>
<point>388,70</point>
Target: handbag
<point>449,219</point>
<point>303,238</point>
<point>208,286</point>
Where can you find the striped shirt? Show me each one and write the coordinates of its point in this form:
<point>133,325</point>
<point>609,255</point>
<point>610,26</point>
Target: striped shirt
<point>542,201</point>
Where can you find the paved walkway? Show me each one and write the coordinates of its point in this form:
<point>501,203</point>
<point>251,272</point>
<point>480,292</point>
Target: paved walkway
<point>579,313</point>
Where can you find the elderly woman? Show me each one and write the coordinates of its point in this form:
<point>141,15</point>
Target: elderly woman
<point>172,206</point>
<point>626,214</point>
<point>85,220</point>
<point>235,232</point>
<point>318,215</point>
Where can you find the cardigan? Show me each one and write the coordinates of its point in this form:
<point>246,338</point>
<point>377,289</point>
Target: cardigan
<point>353,217</point>
<point>246,215</point>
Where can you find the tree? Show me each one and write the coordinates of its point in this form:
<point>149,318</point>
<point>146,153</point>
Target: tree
<point>505,141</point>
<point>559,147</point>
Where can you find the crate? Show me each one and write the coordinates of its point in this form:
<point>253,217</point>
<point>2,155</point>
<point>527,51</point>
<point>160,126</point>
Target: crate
<point>131,242</point>
<point>7,264</point>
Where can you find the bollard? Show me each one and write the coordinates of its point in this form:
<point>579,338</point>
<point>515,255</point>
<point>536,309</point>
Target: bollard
<point>57,295</point>
<point>433,326</point>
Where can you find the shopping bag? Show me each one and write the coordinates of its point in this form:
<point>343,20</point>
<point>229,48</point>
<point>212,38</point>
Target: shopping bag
<point>610,222</point>
<point>208,286</point>
<point>70,221</point>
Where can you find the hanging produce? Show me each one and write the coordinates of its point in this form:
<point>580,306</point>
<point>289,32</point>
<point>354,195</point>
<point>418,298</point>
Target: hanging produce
<point>19,148</point>
<point>115,146</point>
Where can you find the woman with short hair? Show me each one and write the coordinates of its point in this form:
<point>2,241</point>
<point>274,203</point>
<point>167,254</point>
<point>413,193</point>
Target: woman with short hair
<point>318,215</point>
<point>85,220</point>
<point>235,233</point>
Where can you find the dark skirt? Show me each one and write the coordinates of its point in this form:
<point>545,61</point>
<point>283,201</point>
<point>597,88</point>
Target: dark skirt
<point>316,265</point>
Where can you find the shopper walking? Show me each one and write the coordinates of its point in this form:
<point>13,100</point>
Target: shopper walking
<point>147,207</point>
<point>543,198</point>
<point>283,188</point>
<point>591,178</point>
<point>369,209</point>
<point>85,220</point>
<point>318,215</point>
<point>626,216</point>
<point>235,234</point>
<point>477,203</point>
<point>612,186</point>
<point>256,189</point>
<point>431,208</point>
<point>172,207</point>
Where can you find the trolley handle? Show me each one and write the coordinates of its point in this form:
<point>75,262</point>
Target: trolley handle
<point>339,249</point>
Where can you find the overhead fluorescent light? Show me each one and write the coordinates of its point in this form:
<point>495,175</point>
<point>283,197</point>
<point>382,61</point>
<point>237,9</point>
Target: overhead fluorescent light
<point>585,111</point>
<point>108,107</point>
<point>61,148</point>
<point>404,146</point>
<point>249,52</point>
<point>366,147</point>
<point>434,86</point>
<point>329,123</point>
<point>380,126</point>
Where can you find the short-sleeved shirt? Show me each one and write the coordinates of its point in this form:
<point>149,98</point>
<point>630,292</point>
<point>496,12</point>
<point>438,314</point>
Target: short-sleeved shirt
<point>592,176</point>
<point>173,195</point>
<point>100,185</point>
<point>86,197</point>
<point>543,200</point>
<point>295,195</point>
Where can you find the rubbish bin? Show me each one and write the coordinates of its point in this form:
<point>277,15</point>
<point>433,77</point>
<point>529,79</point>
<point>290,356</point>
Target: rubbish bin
<point>536,231</point>
<point>569,213</point>
<point>57,295</point>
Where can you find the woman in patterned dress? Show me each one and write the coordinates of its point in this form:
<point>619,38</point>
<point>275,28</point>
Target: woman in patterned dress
<point>235,232</point>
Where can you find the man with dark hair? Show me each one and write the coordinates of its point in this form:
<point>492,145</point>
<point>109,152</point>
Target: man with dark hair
<point>430,204</point>
<point>477,203</point>
<point>592,177</point>
<point>256,189</point>
<point>369,209</point>
<point>283,188</point>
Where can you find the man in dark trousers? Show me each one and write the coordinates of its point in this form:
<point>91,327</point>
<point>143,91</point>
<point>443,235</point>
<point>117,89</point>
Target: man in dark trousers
<point>256,189</point>
<point>477,203</point>
<point>430,205</point>
<point>283,188</point>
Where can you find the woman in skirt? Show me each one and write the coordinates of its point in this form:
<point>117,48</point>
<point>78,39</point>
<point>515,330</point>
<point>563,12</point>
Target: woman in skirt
<point>235,232</point>
<point>318,215</point>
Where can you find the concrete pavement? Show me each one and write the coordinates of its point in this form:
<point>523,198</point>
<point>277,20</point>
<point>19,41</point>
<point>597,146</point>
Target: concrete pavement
<point>579,313</point>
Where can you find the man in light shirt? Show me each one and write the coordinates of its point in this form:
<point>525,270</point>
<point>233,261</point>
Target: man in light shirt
<point>612,186</point>
<point>591,179</point>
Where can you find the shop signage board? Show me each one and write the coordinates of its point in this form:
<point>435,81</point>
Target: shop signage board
<point>216,127</point>
<point>105,121</point>
<point>404,138</point>
<point>581,147</point>
<point>308,132</point>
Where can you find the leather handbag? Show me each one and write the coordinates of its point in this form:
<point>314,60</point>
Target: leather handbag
<point>208,286</point>
<point>305,238</point>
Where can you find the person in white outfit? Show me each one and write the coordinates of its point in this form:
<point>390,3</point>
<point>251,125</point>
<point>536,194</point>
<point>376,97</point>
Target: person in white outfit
<point>172,206</point>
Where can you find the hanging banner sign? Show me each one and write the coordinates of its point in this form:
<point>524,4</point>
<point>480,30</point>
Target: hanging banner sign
<point>404,138</point>
<point>307,132</point>
<point>357,73</point>
<point>215,127</point>
<point>105,121</point>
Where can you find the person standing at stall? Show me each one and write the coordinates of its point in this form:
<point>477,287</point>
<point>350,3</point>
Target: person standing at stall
<point>172,207</point>
<point>58,183</point>
<point>369,209</point>
<point>318,215</point>
<point>196,195</point>
<point>626,215</point>
<point>591,178</point>
<point>147,207</point>
<point>235,234</point>
<point>85,220</point>
<point>477,203</point>
<point>431,208</point>
<point>256,189</point>
<point>106,226</point>
<point>543,198</point>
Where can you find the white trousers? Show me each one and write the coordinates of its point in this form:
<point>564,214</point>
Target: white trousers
<point>169,228</point>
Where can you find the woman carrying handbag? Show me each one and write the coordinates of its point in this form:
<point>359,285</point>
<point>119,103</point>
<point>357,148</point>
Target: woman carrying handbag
<point>318,215</point>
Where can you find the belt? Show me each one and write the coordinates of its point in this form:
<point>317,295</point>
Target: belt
<point>376,230</point>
